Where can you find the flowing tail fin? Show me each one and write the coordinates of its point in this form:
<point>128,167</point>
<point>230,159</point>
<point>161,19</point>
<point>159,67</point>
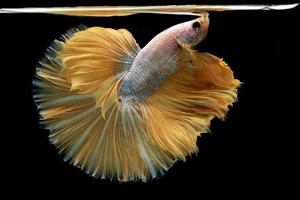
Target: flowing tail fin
<point>76,93</point>
<point>77,88</point>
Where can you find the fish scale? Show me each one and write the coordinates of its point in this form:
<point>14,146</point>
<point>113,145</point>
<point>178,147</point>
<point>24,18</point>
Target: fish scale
<point>157,61</point>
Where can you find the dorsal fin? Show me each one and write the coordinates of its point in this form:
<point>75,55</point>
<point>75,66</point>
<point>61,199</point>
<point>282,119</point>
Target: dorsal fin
<point>89,55</point>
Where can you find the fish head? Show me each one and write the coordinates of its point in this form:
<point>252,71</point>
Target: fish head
<point>193,32</point>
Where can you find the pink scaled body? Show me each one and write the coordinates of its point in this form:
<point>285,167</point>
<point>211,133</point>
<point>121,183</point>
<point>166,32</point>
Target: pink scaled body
<point>159,58</point>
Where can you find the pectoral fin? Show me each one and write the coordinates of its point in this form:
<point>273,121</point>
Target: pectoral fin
<point>213,72</point>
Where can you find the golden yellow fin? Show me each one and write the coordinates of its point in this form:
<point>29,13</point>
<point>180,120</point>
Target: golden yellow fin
<point>213,72</point>
<point>93,56</point>
<point>181,109</point>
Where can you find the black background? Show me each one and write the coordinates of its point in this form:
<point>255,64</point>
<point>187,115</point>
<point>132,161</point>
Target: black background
<point>253,151</point>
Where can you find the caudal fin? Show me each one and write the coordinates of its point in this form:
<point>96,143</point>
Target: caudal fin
<point>77,88</point>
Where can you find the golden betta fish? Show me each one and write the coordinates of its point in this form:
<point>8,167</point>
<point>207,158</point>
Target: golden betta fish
<point>121,112</point>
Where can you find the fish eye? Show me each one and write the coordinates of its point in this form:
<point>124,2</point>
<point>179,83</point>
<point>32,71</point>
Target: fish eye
<point>196,25</point>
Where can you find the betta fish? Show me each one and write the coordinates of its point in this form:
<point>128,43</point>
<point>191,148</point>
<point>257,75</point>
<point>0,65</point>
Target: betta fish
<point>116,110</point>
<point>119,111</point>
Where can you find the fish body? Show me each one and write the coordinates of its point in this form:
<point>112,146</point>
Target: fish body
<point>159,58</point>
<point>121,112</point>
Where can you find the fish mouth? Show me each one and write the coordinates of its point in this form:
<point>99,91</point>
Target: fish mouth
<point>204,20</point>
